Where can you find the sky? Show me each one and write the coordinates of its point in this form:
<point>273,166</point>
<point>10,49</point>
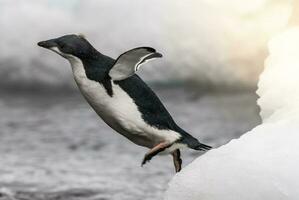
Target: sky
<point>218,43</point>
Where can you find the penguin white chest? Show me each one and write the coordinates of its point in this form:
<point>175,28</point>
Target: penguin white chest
<point>119,110</point>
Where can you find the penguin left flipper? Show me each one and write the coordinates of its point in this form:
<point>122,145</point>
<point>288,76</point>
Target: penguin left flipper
<point>129,62</point>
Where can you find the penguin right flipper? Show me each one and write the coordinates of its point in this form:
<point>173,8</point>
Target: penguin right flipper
<point>129,62</point>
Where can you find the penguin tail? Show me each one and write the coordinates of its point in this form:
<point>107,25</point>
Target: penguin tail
<point>193,143</point>
<point>202,147</point>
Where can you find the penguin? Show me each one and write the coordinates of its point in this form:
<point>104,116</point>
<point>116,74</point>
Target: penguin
<point>122,99</point>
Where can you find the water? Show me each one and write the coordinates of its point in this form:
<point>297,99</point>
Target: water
<point>54,146</point>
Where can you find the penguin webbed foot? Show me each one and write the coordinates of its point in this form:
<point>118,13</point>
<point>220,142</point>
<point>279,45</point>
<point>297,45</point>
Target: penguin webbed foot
<point>146,159</point>
<point>154,151</point>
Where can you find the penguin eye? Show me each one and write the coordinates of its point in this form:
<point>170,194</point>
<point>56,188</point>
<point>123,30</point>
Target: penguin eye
<point>64,48</point>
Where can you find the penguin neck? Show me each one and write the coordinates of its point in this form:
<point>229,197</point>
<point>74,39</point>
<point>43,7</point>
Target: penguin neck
<point>77,68</point>
<point>95,67</point>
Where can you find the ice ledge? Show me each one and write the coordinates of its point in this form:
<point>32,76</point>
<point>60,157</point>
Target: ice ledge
<point>262,164</point>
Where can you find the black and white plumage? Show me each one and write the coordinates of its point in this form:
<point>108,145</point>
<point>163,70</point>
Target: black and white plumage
<point>121,98</point>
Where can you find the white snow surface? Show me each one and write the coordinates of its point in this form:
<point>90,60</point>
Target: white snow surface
<point>263,163</point>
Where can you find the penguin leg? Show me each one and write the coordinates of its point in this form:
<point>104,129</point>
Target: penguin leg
<point>177,161</point>
<point>154,151</point>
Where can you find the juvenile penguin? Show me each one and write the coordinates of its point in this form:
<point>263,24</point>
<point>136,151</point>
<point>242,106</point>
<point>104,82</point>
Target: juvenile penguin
<point>122,99</point>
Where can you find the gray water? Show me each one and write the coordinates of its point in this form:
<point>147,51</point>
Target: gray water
<point>53,146</point>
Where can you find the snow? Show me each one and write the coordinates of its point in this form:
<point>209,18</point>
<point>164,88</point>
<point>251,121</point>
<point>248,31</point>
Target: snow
<point>263,163</point>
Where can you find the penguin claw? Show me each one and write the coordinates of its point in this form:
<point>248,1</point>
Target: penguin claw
<point>146,159</point>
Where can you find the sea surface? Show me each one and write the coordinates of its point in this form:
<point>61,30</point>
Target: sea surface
<point>53,145</point>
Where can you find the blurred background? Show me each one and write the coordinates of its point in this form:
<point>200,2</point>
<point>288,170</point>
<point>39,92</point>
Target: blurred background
<point>54,146</point>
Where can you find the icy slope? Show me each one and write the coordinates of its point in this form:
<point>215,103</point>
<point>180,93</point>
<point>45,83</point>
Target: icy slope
<point>263,164</point>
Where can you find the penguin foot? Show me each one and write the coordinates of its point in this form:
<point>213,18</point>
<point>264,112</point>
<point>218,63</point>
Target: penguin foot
<point>177,161</point>
<point>146,159</point>
<point>154,151</point>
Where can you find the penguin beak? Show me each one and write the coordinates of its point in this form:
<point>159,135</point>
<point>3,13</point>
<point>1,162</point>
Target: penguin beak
<point>47,44</point>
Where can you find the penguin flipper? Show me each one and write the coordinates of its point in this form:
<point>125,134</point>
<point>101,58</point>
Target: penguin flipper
<point>129,62</point>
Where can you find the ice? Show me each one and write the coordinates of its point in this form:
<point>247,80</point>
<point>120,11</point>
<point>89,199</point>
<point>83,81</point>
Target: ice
<point>263,163</point>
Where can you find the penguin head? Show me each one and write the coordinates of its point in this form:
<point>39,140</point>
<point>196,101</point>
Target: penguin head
<point>69,46</point>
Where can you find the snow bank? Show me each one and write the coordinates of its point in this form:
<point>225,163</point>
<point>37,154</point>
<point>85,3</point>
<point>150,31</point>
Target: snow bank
<point>202,41</point>
<point>262,164</point>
